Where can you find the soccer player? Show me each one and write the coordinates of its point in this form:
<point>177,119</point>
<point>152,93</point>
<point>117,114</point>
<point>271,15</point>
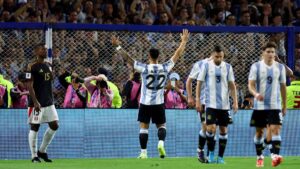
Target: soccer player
<point>202,136</point>
<point>267,80</point>
<point>40,104</point>
<point>219,80</point>
<point>154,76</point>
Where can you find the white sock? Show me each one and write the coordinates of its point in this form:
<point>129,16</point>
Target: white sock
<point>144,151</point>
<point>32,139</point>
<point>48,136</point>
<point>161,142</point>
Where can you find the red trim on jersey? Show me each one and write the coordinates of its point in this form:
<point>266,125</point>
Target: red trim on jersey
<point>30,111</point>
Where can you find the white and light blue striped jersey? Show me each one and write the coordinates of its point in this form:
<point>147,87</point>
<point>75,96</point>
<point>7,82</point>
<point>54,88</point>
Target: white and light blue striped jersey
<point>154,77</point>
<point>194,75</point>
<point>268,79</point>
<point>216,80</point>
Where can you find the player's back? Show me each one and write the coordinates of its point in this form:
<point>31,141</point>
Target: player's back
<point>42,83</point>
<point>154,77</point>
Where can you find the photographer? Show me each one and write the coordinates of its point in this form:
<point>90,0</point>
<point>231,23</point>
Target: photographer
<point>19,93</point>
<point>174,97</point>
<point>101,94</point>
<point>76,94</point>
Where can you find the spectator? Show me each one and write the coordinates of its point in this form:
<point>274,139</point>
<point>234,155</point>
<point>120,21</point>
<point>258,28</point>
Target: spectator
<point>117,100</point>
<point>101,95</point>
<point>174,96</point>
<point>19,94</point>
<point>132,91</point>
<point>293,92</point>
<point>76,93</point>
<point>246,19</point>
<point>3,97</point>
<point>8,85</point>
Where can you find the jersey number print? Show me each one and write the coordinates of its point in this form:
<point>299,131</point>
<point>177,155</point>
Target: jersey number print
<point>160,78</point>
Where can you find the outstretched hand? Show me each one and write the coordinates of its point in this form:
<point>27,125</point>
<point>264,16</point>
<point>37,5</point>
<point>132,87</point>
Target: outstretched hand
<point>115,41</point>
<point>185,35</point>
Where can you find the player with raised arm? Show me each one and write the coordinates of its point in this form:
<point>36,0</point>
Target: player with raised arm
<point>202,136</point>
<point>219,80</point>
<point>266,83</point>
<point>40,104</point>
<point>154,77</point>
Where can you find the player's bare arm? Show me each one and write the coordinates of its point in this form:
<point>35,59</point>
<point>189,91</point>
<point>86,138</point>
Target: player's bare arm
<point>233,95</point>
<point>252,90</point>
<point>198,94</point>
<point>116,43</point>
<point>190,98</point>
<point>184,39</point>
<point>283,97</point>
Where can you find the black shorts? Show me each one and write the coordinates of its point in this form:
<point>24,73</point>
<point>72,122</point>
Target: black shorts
<point>154,112</point>
<point>202,114</point>
<point>217,116</point>
<point>262,118</point>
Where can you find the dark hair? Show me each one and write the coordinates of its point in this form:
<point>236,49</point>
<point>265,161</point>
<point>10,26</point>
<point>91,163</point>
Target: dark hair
<point>102,84</point>
<point>39,45</point>
<point>102,70</point>
<point>154,53</point>
<point>218,48</point>
<point>269,45</point>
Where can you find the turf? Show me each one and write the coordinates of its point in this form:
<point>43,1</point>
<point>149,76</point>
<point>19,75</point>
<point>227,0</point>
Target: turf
<point>151,163</point>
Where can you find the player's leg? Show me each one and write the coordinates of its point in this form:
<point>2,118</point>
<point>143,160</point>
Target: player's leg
<point>144,119</point>
<point>161,134</point>
<point>48,137</point>
<point>50,116</point>
<point>223,119</point>
<point>159,118</point>
<point>275,122</point>
<point>268,140</point>
<point>210,132</point>
<point>202,137</point>
<point>33,139</point>
<point>259,121</point>
<point>143,137</point>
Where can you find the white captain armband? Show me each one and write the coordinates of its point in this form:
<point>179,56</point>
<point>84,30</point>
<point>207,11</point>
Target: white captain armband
<point>119,47</point>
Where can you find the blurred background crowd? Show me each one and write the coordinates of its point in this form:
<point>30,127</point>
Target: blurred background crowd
<point>86,54</point>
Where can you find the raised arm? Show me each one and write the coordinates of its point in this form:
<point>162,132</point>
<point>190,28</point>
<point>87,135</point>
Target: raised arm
<point>184,39</point>
<point>116,43</point>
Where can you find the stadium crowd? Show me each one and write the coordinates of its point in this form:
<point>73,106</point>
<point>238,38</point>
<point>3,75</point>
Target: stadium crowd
<point>86,48</point>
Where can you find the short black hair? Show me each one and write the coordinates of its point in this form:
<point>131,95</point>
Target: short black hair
<point>270,44</point>
<point>102,70</point>
<point>154,53</point>
<point>218,48</point>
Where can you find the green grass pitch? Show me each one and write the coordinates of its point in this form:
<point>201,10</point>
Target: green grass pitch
<point>151,163</point>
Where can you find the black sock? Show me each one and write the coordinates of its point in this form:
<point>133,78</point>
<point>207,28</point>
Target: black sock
<point>258,145</point>
<point>143,140</point>
<point>222,144</point>
<point>276,143</point>
<point>210,141</point>
<point>202,140</point>
<point>161,133</point>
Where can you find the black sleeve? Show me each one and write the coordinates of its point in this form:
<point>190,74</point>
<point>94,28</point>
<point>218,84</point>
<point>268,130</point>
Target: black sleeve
<point>62,79</point>
<point>5,100</point>
<point>81,96</point>
<point>127,89</point>
<point>14,95</point>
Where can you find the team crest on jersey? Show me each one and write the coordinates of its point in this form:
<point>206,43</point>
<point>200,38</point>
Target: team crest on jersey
<point>41,71</point>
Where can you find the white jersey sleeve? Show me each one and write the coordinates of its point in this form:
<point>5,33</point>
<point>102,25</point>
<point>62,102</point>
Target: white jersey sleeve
<point>282,77</point>
<point>169,65</point>
<point>202,73</point>
<point>253,72</point>
<point>195,71</point>
<point>230,75</point>
<point>139,67</point>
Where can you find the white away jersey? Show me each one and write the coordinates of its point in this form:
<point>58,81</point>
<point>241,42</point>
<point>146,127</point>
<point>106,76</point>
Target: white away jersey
<point>268,79</point>
<point>154,77</point>
<point>194,75</point>
<point>216,80</point>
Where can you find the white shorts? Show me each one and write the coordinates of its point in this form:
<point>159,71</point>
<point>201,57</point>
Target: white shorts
<point>46,115</point>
